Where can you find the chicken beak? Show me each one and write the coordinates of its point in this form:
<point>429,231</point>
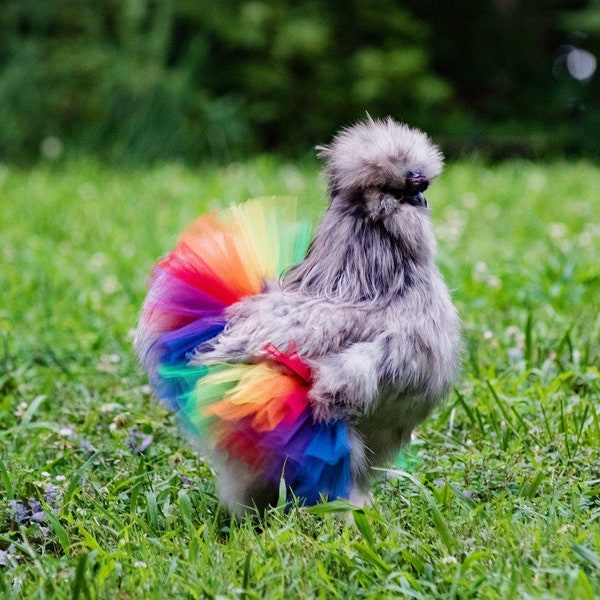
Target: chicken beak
<point>418,200</point>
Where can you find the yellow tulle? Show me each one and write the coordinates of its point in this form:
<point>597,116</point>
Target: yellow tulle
<point>259,391</point>
<point>246,244</point>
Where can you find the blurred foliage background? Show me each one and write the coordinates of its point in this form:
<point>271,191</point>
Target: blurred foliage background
<point>143,80</point>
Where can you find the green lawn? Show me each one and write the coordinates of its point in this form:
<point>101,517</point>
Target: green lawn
<point>502,495</point>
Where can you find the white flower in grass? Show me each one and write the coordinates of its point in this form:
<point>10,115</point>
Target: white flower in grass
<point>515,352</point>
<point>111,407</point>
<point>494,282</point>
<point>470,200</point>
<point>557,231</point>
<point>449,560</point>
<point>97,261</point>
<point>480,271</point>
<point>514,331</point>
<point>111,285</point>
<point>20,412</point>
<point>140,564</point>
<point>108,362</point>
<point>515,355</point>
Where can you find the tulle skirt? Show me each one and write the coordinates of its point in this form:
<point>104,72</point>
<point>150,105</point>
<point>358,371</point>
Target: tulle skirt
<point>257,414</point>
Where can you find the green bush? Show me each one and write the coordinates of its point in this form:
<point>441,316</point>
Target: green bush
<point>144,80</point>
<point>147,80</point>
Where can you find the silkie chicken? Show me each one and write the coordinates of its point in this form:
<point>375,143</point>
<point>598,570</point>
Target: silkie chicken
<point>315,375</point>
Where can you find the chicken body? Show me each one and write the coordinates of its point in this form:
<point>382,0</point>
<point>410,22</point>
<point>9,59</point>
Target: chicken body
<point>367,309</point>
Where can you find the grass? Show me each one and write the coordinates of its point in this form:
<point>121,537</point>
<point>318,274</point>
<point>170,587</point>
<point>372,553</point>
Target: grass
<point>498,498</point>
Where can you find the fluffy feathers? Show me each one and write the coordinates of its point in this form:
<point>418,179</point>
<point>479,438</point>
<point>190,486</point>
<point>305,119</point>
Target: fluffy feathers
<point>366,309</point>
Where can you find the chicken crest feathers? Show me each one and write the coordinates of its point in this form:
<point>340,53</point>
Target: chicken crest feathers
<point>375,152</point>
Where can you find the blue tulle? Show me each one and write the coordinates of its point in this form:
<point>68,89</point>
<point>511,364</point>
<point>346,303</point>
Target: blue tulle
<point>174,384</point>
<point>178,346</point>
<point>313,457</point>
<point>325,468</point>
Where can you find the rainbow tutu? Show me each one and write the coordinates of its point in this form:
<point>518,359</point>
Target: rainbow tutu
<point>257,414</point>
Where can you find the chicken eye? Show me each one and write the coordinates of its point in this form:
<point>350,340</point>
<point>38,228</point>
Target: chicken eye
<point>392,190</point>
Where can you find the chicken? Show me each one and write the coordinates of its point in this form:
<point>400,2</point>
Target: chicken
<point>367,310</point>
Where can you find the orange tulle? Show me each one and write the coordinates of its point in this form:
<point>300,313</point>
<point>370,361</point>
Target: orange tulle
<point>266,395</point>
<point>226,253</point>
